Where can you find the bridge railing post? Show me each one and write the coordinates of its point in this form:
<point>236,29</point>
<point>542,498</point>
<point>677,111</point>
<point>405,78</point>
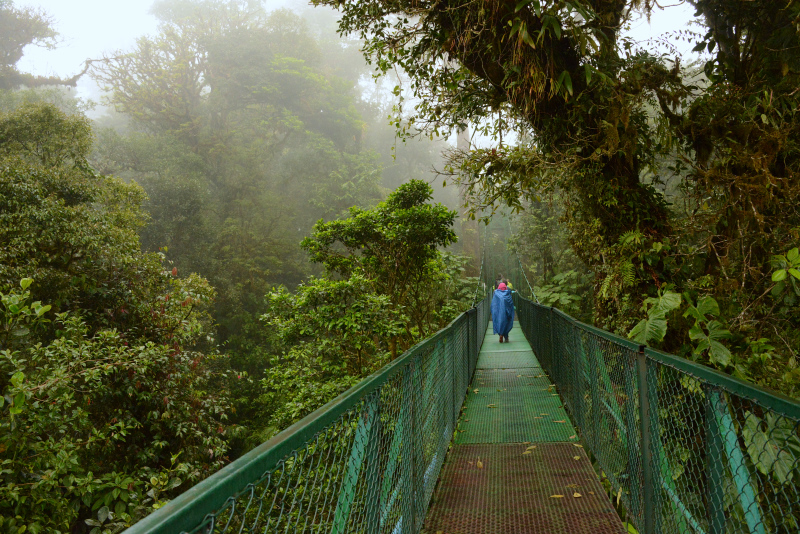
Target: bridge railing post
<point>632,437</point>
<point>550,349</point>
<point>577,376</point>
<point>648,419</point>
<point>591,355</point>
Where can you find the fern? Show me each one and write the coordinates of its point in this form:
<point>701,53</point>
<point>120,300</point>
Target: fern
<point>631,237</point>
<point>606,285</point>
<point>628,274</point>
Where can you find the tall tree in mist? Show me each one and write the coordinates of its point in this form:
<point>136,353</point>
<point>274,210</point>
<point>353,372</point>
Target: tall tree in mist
<point>242,136</point>
<point>21,27</point>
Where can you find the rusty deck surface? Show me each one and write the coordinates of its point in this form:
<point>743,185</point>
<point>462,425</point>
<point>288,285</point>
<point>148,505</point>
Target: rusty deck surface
<point>516,466</point>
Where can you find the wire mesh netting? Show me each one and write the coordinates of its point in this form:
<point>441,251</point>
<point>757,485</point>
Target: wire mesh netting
<point>366,462</point>
<point>686,449</point>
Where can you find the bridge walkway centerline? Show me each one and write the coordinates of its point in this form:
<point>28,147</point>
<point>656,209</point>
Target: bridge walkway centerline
<point>516,465</point>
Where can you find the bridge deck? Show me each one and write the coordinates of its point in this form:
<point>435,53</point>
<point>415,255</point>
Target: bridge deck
<point>516,466</point>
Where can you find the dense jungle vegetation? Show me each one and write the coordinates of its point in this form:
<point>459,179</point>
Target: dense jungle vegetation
<point>205,263</point>
<point>673,182</point>
<point>225,246</point>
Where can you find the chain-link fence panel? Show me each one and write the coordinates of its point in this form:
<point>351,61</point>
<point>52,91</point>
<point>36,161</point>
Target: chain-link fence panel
<point>686,449</point>
<point>367,462</point>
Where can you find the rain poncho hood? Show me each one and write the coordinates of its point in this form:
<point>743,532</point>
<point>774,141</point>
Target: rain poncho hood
<point>502,312</point>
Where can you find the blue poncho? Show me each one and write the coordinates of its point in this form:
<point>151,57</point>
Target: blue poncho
<point>502,312</point>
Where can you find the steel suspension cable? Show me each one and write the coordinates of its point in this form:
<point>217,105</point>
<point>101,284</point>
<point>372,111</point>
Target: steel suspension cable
<point>521,267</point>
<point>483,258</point>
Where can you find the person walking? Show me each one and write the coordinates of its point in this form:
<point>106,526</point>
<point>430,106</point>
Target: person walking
<point>502,312</point>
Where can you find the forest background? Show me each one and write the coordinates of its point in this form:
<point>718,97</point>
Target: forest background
<point>165,280</point>
<point>171,296</point>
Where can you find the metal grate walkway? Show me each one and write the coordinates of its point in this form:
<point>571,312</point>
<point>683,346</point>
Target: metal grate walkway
<point>515,466</point>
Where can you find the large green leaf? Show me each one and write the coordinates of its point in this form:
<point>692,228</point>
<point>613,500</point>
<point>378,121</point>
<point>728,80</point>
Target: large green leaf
<point>705,306</point>
<point>772,446</point>
<point>709,341</point>
<point>663,304</point>
<point>652,329</point>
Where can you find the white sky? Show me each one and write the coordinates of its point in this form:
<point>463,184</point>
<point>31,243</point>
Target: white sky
<point>89,28</point>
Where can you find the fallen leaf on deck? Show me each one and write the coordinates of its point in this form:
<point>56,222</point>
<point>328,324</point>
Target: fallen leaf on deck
<point>531,447</point>
<point>556,496</point>
<point>479,464</point>
<point>562,421</point>
<point>576,494</point>
<point>526,452</point>
<point>578,445</point>
<point>576,457</point>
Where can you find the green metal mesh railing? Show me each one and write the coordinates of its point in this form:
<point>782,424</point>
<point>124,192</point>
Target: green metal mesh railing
<point>685,448</point>
<point>367,462</point>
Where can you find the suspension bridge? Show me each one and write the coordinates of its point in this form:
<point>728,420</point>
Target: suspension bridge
<point>566,429</point>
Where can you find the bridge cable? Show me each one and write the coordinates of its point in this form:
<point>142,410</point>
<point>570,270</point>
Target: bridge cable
<point>521,268</point>
<point>483,258</point>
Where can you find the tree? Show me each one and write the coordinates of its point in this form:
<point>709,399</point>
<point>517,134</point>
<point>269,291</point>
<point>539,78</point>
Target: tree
<point>550,70</point>
<point>98,429</point>
<point>606,123</point>
<point>242,138</point>
<point>332,333</point>
<point>394,245</point>
<point>108,405</point>
<point>21,27</point>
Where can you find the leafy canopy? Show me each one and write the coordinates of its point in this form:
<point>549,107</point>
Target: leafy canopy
<point>395,245</point>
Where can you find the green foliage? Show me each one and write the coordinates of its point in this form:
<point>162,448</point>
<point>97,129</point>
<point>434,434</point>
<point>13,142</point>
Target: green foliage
<point>652,329</point>
<point>787,276</point>
<point>394,245</point>
<point>96,428</point>
<point>563,291</point>
<point>20,316</point>
<point>558,276</point>
<point>42,134</point>
<point>708,333</point>
<point>75,232</point>
<point>332,333</point>
<point>772,445</point>
<point>108,409</point>
<point>242,135</point>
